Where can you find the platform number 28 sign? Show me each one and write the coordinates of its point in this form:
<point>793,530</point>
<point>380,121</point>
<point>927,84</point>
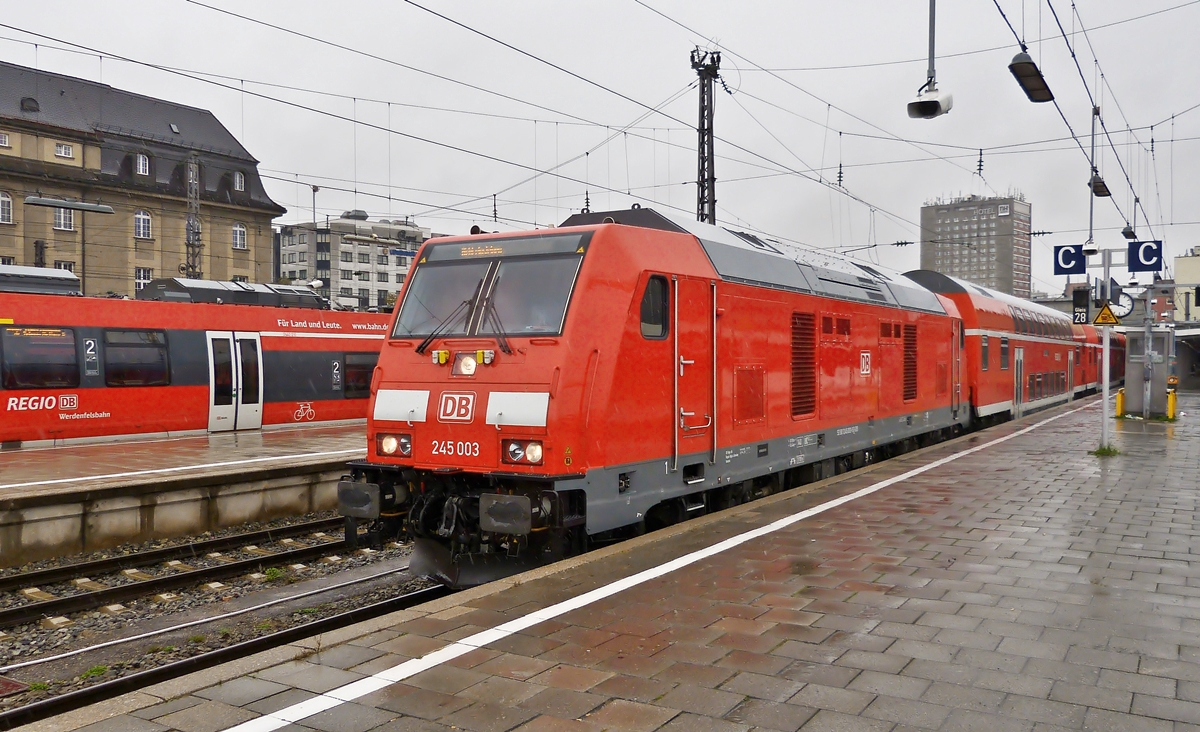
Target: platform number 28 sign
<point>864,363</point>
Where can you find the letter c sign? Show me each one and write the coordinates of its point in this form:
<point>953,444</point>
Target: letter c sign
<point>1145,256</point>
<point>1069,260</point>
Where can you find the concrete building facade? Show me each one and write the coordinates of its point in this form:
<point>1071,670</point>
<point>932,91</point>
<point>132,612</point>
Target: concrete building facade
<point>981,240</point>
<point>79,141</point>
<point>1187,272</point>
<point>361,264</point>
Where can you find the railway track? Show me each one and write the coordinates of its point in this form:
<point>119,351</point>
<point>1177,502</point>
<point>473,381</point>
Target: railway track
<point>92,694</point>
<point>97,596</point>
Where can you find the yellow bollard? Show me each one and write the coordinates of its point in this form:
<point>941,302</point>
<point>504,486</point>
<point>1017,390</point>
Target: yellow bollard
<point>1120,402</point>
<point>1171,405</point>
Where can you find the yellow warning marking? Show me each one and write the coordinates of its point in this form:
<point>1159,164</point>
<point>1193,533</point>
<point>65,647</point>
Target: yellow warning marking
<point>1105,317</point>
<point>567,452</point>
<point>579,250</point>
<point>6,321</point>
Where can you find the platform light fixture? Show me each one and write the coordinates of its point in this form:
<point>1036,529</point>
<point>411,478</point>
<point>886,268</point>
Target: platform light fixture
<point>1099,187</point>
<point>1029,76</point>
<point>1128,232</point>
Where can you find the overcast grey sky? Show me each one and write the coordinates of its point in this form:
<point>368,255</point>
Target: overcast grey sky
<point>840,75</point>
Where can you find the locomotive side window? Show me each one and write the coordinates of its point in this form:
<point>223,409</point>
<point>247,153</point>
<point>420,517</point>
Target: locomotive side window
<point>38,358</point>
<point>136,358</point>
<point>359,367</point>
<point>655,308</point>
<point>984,361</point>
<point>1003,354</point>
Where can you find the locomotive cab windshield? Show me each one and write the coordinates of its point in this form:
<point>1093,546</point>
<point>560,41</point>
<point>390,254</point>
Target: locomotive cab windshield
<point>497,287</point>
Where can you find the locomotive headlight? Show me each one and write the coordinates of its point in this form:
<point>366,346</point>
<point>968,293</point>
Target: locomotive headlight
<point>514,451</point>
<point>393,445</point>
<point>533,452</point>
<point>465,364</point>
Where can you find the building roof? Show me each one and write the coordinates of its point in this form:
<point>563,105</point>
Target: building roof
<point>88,107</point>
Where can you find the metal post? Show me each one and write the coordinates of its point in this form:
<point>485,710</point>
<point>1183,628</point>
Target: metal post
<point>1092,200</point>
<point>707,65</point>
<point>1105,359</point>
<point>1147,353</point>
<point>931,74</point>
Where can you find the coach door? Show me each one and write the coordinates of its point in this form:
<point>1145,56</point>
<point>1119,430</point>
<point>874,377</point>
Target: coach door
<point>234,381</point>
<point>695,418</point>
<point>1018,373</point>
<point>1071,375</point>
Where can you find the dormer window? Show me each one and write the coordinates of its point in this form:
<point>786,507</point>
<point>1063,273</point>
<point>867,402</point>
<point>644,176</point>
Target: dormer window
<point>63,150</point>
<point>239,180</point>
<point>142,164</point>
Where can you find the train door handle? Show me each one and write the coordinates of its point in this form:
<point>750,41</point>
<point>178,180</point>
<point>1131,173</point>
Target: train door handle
<point>685,427</point>
<point>684,362</point>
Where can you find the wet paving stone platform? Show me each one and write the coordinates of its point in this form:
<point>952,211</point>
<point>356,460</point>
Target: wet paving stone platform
<point>1026,586</point>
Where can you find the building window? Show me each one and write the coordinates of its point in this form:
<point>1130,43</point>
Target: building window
<point>239,278</point>
<point>239,236</point>
<point>346,274</point>
<point>347,256</point>
<point>141,225</point>
<point>64,219</point>
<point>303,256</point>
<point>364,294</point>
<point>322,256</point>
<point>304,274</point>
<point>364,258</point>
<point>5,208</point>
<point>4,140</point>
<point>7,261</point>
<point>383,276</point>
<point>239,180</point>
<point>346,291</point>
<point>61,264</point>
<point>142,164</point>
<point>382,296</point>
<point>382,259</point>
<point>142,277</point>
<point>362,276</point>
<point>63,150</point>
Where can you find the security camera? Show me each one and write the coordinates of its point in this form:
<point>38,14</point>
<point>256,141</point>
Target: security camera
<point>930,103</point>
<point>1089,247</point>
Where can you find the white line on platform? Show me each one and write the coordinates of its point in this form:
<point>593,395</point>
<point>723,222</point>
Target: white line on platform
<point>387,677</point>
<point>159,471</point>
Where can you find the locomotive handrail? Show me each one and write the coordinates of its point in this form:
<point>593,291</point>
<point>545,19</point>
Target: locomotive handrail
<point>689,428</point>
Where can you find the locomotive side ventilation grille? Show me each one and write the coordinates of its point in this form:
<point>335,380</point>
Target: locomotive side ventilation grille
<point>804,364</point>
<point>910,362</point>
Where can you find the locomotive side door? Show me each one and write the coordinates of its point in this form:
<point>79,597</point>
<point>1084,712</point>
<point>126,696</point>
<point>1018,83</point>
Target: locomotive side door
<point>234,381</point>
<point>693,317</point>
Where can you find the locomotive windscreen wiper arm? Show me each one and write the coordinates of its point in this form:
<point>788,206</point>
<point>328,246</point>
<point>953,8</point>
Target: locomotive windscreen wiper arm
<point>491,313</point>
<point>442,326</point>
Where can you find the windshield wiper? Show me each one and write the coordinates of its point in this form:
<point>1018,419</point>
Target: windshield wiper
<point>490,313</point>
<point>442,326</point>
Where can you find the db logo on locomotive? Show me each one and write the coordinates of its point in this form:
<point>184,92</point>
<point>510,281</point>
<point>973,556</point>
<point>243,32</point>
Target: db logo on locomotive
<point>456,406</point>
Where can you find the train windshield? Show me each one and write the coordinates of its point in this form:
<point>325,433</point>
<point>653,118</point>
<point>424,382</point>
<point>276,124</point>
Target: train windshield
<point>508,287</point>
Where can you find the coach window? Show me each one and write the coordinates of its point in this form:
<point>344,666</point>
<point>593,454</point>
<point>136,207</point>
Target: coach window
<point>655,309</point>
<point>38,358</point>
<point>1003,354</point>
<point>359,367</point>
<point>983,348</point>
<point>136,358</point>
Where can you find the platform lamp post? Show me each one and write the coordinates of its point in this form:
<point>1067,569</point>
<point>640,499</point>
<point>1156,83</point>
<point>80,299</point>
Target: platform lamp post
<point>83,207</point>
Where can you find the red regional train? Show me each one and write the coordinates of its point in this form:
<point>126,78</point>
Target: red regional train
<point>76,368</point>
<point>544,392</point>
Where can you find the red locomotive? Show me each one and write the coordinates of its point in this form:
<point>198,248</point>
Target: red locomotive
<point>74,367</point>
<point>540,393</point>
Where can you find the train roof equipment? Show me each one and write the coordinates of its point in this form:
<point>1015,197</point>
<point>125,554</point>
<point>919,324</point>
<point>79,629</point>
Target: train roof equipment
<point>38,280</point>
<point>180,289</point>
<point>739,256</point>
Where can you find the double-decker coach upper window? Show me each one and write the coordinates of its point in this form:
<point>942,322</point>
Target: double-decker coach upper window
<point>438,292</point>
<point>655,308</point>
<point>359,367</point>
<point>136,358</point>
<point>38,358</point>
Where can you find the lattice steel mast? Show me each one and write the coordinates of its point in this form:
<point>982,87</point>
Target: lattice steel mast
<point>707,65</point>
<point>193,269</point>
